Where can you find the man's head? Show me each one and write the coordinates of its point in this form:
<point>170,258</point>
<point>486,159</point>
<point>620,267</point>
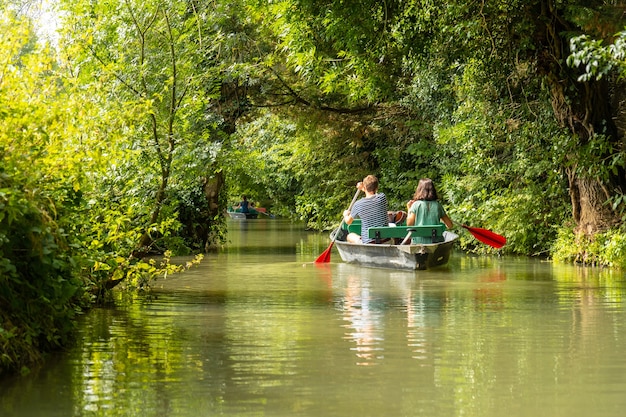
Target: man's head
<point>370,183</point>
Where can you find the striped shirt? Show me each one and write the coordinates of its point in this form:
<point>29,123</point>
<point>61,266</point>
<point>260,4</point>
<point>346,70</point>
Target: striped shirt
<point>373,213</point>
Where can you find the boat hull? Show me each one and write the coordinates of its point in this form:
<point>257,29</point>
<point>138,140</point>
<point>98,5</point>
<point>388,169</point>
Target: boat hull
<point>242,216</point>
<point>412,257</point>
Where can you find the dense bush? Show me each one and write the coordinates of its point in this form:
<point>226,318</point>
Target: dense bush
<point>40,293</point>
<point>604,249</point>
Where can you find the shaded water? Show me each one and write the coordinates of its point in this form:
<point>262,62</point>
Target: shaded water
<point>256,331</point>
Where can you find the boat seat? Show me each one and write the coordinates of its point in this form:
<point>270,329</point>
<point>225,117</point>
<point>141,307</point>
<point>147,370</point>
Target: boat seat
<point>435,232</point>
<point>354,227</point>
<point>397,217</point>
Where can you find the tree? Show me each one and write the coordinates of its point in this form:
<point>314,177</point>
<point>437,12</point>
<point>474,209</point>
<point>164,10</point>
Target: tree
<point>595,163</point>
<point>148,57</point>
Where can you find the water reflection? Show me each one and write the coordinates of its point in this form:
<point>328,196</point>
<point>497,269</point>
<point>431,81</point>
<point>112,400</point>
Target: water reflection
<point>258,329</point>
<point>490,295</point>
<point>364,321</point>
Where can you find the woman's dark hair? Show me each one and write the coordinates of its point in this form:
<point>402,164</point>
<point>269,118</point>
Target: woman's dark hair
<point>425,190</point>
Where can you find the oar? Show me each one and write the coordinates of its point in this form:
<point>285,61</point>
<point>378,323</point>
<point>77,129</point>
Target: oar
<point>486,236</point>
<point>325,256</point>
<point>407,237</point>
<point>271,216</point>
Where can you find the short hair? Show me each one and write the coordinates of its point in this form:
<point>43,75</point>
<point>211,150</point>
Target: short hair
<point>425,190</point>
<point>370,183</point>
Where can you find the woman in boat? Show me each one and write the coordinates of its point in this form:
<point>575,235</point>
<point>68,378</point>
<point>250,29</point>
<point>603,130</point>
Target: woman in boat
<point>425,209</point>
<point>243,206</point>
<point>372,210</point>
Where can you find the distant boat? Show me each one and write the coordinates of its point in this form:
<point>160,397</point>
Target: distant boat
<point>242,216</point>
<point>252,214</point>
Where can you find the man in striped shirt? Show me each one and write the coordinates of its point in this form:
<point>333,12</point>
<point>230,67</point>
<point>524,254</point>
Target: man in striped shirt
<point>372,210</point>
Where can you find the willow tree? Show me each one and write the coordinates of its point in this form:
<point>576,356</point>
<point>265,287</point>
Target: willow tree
<point>147,60</point>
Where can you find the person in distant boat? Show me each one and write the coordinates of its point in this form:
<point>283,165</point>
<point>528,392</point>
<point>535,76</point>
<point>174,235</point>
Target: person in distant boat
<point>425,209</point>
<point>243,206</point>
<point>371,209</point>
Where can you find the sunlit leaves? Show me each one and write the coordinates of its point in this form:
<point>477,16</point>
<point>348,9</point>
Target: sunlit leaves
<point>77,172</point>
<point>596,59</point>
<point>339,48</point>
<point>145,64</point>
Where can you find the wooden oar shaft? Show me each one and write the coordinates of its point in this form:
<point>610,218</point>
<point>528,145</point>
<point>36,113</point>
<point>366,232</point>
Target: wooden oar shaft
<point>325,256</point>
<point>356,195</point>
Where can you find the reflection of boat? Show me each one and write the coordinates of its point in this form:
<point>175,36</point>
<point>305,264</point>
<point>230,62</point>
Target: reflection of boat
<point>391,253</point>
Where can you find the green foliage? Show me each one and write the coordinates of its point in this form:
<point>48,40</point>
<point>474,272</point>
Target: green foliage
<point>331,45</point>
<point>606,249</point>
<point>460,96</point>
<point>259,163</point>
<point>497,172</point>
<point>40,291</point>
<point>303,174</point>
<point>469,114</point>
<point>147,64</point>
<point>596,59</point>
<point>74,180</point>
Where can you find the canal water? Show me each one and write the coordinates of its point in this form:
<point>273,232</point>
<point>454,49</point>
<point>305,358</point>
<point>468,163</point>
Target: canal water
<point>260,330</point>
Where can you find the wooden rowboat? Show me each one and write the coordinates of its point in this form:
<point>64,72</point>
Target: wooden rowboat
<point>242,216</point>
<point>390,253</point>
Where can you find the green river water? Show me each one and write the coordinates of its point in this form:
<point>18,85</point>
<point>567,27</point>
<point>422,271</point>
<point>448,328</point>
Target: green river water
<point>259,330</point>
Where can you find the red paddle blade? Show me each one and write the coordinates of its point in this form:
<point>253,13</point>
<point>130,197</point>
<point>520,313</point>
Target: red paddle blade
<point>325,256</point>
<point>487,237</point>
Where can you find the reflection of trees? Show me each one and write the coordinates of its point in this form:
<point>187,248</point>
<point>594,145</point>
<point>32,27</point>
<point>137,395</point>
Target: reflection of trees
<point>475,343</point>
<point>363,327</point>
<point>419,330</point>
<point>547,338</point>
<point>137,360</point>
<point>494,339</point>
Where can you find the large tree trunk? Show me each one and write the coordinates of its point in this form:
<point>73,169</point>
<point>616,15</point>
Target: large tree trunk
<point>584,108</point>
<point>589,205</point>
<point>589,194</point>
<point>581,113</point>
